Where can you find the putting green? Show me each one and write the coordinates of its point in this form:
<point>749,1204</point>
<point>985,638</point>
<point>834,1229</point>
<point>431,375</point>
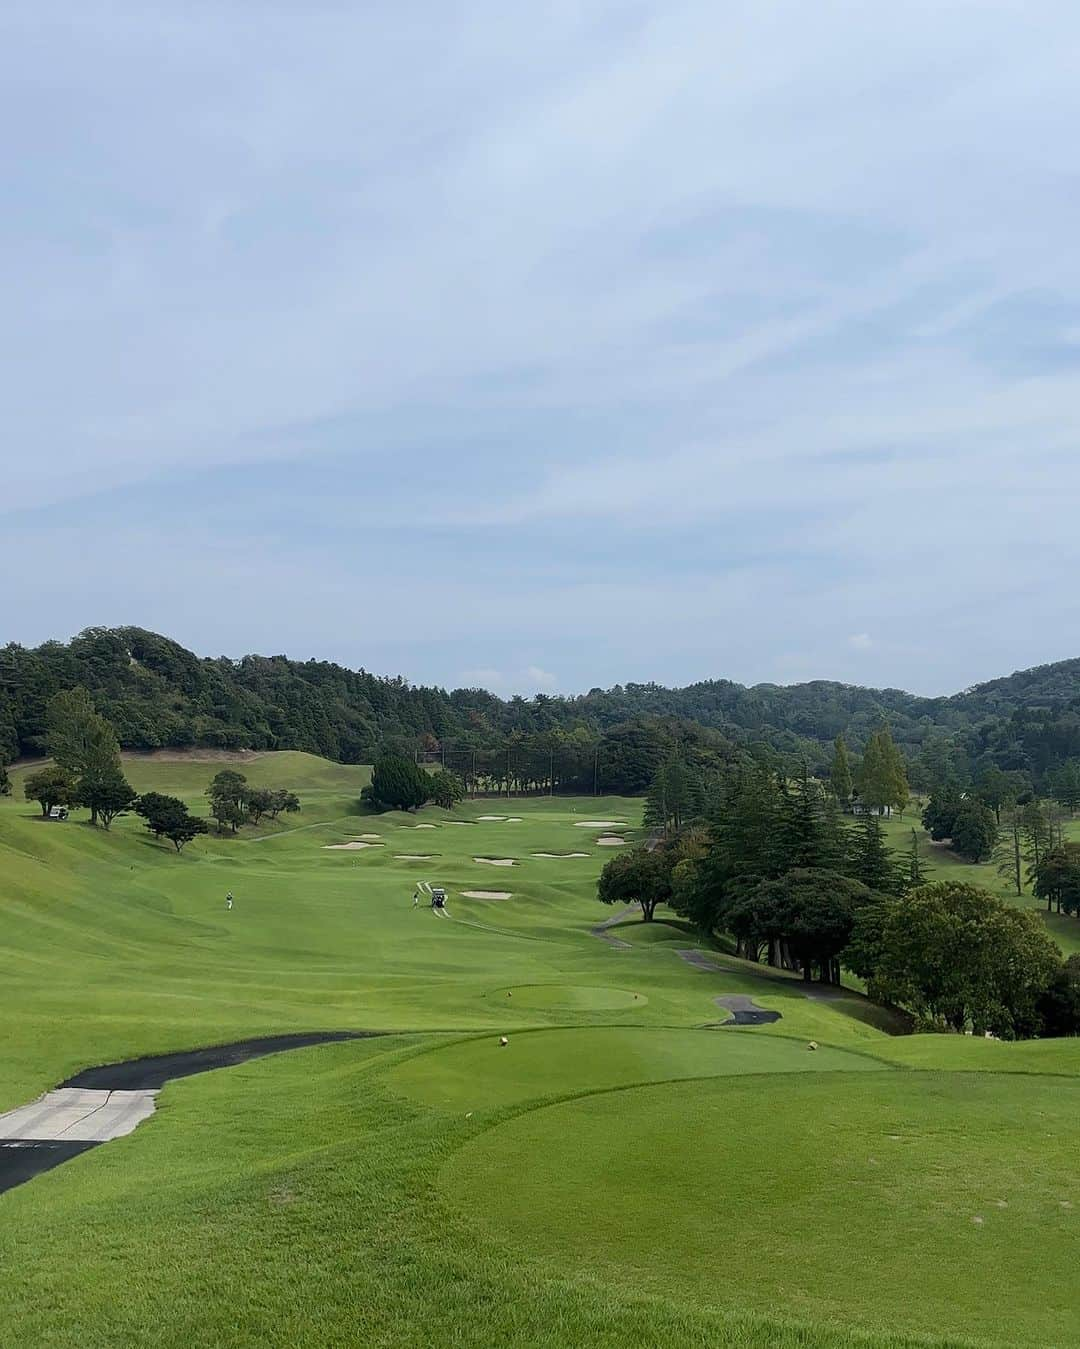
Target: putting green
<point>481,1074</point>
<point>897,1199</point>
<point>571,996</point>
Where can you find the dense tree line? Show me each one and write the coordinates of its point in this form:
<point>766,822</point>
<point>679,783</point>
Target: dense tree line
<point>771,861</point>
<point>157,694</point>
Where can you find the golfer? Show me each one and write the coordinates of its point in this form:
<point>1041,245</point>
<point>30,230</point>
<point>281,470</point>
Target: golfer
<point>228,900</point>
<point>416,897</point>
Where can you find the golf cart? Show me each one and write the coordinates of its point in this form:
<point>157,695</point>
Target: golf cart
<point>58,812</point>
<point>438,897</point>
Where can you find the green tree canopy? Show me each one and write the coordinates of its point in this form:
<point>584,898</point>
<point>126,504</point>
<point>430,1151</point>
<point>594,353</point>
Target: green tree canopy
<point>227,794</point>
<point>840,779</point>
<point>956,956</point>
<point>446,789</point>
<point>974,830</point>
<point>1059,1006</point>
<point>1056,878</point>
<point>812,912</point>
<point>881,780</point>
<point>107,794</point>
<point>637,876</point>
<point>50,786</point>
<point>399,784</point>
<point>85,744</point>
<point>168,817</point>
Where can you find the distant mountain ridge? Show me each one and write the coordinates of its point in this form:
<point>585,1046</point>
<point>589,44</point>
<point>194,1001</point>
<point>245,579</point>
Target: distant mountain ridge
<point>158,694</point>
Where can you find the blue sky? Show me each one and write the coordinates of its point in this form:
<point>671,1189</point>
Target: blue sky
<point>546,346</point>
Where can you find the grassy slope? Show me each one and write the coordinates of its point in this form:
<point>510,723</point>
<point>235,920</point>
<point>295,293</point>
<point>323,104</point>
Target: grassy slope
<point>945,865</point>
<point>321,1196</point>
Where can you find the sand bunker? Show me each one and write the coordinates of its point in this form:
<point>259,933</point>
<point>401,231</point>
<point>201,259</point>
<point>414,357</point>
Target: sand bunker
<point>610,841</point>
<point>421,826</point>
<point>349,847</point>
<point>600,824</point>
<point>486,894</point>
<point>371,838</point>
<point>496,861</point>
<point>560,854</point>
<point>513,819</point>
<point>414,856</point>
<point>491,817</point>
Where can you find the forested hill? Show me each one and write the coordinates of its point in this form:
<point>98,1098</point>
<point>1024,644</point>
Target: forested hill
<point>158,694</point>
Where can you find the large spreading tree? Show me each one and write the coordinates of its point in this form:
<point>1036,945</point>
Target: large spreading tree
<point>50,786</point>
<point>957,957</point>
<point>638,876</point>
<point>85,744</point>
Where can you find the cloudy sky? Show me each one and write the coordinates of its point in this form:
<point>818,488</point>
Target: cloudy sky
<point>546,346</point>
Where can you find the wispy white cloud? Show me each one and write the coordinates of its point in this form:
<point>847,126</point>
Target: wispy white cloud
<point>686,322</point>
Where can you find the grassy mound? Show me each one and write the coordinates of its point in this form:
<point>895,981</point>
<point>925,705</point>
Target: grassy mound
<point>835,1197</point>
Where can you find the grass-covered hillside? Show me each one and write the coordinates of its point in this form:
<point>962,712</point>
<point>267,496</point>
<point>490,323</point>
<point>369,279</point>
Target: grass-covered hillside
<point>624,1171</point>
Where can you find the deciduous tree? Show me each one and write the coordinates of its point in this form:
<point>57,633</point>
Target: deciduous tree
<point>106,794</point>
<point>638,876</point>
<point>957,956</point>
<point>226,794</point>
<point>50,786</point>
<point>974,830</point>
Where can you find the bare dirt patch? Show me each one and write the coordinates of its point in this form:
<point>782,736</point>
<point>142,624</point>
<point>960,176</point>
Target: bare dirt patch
<point>195,755</point>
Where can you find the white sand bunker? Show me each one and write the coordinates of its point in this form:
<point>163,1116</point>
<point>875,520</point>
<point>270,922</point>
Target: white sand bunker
<point>414,856</point>
<point>496,861</point>
<point>491,817</point>
<point>421,826</point>
<point>600,824</point>
<point>560,854</point>
<point>486,894</point>
<point>513,819</point>
<point>355,846</point>
<point>610,841</point>
<point>371,838</point>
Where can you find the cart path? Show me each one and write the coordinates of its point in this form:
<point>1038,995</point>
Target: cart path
<point>601,929</point>
<point>109,1101</point>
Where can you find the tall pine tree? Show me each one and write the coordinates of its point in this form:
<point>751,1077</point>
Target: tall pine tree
<point>870,859</point>
<point>840,779</point>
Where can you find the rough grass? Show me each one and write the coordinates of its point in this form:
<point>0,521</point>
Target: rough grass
<point>319,1198</point>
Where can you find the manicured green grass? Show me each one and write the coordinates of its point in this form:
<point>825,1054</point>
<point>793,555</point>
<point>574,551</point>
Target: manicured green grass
<point>930,1203</point>
<point>944,865</point>
<point>433,1187</point>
